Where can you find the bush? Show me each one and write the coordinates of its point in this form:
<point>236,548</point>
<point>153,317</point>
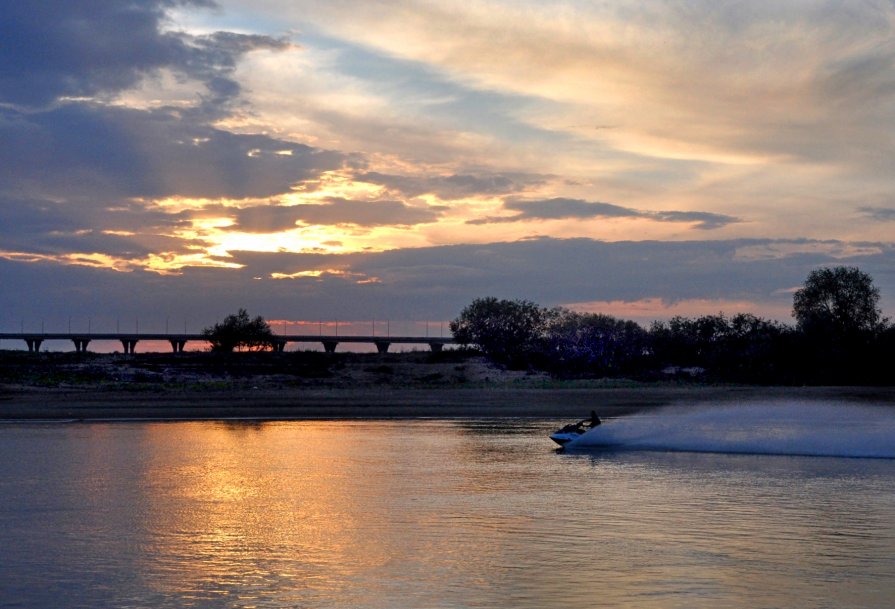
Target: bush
<point>239,332</point>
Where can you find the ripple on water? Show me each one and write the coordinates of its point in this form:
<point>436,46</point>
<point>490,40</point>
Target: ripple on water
<point>428,514</point>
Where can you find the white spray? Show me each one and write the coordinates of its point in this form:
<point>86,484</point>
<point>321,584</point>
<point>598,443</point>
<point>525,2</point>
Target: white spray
<point>782,428</point>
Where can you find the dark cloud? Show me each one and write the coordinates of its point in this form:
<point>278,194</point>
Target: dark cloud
<point>560,209</point>
<point>701,220</point>
<point>428,283</point>
<point>88,150</point>
<point>93,242</point>
<point>554,209</point>
<point>57,49</point>
<point>555,271</point>
<point>28,218</point>
<point>212,59</point>
<point>78,48</point>
<point>879,214</point>
<point>74,170</point>
<point>55,228</point>
<point>272,218</point>
<point>456,186</point>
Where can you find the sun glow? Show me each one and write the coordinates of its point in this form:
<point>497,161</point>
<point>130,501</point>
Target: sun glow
<point>318,273</point>
<point>171,264</point>
<point>93,259</point>
<point>333,185</point>
<point>178,204</point>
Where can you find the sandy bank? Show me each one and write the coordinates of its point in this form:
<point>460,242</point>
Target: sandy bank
<point>390,402</point>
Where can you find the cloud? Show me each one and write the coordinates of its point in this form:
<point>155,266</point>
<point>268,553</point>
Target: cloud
<point>879,214</point>
<point>79,170</point>
<point>113,229</point>
<point>702,220</point>
<point>769,112</point>
<point>335,211</point>
<point>725,83</point>
<point>563,209</point>
<point>89,150</point>
<point>60,49</point>
<point>73,48</point>
<point>457,186</point>
<point>72,175</point>
<point>557,271</point>
<point>433,282</point>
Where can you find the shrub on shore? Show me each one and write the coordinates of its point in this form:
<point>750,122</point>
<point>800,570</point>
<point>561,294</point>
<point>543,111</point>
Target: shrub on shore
<point>239,331</point>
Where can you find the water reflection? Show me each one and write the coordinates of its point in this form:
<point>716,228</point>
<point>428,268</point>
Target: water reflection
<point>252,515</point>
<point>428,514</point>
<point>761,527</point>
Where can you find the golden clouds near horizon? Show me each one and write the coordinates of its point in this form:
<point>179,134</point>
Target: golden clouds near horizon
<point>334,213</point>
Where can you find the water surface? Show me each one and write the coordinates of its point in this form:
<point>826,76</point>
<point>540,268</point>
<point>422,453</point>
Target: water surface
<point>427,514</point>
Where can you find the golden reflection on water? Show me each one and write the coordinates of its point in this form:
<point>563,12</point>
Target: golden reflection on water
<point>301,507</point>
<point>451,514</point>
<point>248,505</point>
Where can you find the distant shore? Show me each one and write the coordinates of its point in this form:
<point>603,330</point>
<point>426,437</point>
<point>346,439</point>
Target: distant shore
<point>392,403</point>
<point>351,386</point>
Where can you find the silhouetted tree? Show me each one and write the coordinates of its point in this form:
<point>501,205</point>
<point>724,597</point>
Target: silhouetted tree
<point>510,332</point>
<point>842,300</point>
<point>841,338</point>
<point>689,342</point>
<point>239,331</point>
<point>742,348</point>
<point>594,344</point>
<point>840,326</point>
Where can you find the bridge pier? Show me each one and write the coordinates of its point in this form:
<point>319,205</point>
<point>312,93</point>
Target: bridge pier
<point>278,346</point>
<point>382,345</point>
<point>129,344</point>
<point>33,344</point>
<point>330,345</point>
<point>436,347</point>
<point>177,345</point>
<point>81,344</point>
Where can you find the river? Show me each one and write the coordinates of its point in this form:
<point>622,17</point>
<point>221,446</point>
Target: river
<point>429,514</point>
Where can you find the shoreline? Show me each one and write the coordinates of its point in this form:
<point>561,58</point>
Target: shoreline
<point>23,404</point>
<point>316,386</point>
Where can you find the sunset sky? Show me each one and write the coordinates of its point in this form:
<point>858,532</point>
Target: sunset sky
<point>175,160</point>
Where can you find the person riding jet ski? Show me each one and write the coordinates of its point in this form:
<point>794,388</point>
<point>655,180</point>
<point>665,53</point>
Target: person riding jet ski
<point>592,422</point>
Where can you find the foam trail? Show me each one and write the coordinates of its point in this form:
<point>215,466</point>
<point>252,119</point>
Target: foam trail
<point>781,428</point>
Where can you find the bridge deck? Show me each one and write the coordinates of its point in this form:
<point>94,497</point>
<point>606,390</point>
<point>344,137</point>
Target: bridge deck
<point>178,340</point>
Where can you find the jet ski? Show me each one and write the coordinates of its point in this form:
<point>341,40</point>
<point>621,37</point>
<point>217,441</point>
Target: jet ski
<point>573,431</point>
<point>564,435</point>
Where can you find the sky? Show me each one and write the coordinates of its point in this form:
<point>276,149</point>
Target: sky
<point>166,162</point>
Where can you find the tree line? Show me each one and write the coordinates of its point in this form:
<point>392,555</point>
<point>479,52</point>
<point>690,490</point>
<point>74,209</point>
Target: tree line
<point>840,337</point>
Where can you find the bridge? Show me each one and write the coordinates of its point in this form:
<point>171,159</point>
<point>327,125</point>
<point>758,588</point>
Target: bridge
<point>129,340</point>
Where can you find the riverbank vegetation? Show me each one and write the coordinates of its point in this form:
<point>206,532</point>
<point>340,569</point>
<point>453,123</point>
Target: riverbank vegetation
<point>211,371</point>
<point>840,337</point>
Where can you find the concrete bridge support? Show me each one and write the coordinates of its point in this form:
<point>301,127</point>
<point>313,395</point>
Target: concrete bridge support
<point>279,346</point>
<point>177,345</point>
<point>436,347</point>
<point>130,345</point>
<point>33,344</point>
<point>81,344</point>
<point>382,346</point>
<point>330,346</point>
